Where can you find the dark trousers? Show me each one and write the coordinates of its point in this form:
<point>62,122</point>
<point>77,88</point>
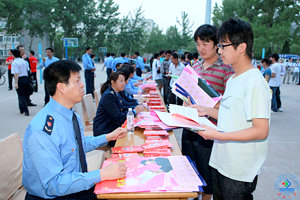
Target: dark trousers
<point>139,72</point>
<point>22,92</point>
<point>89,82</point>
<point>228,189</point>
<point>34,81</point>
<point>274,105</point>
<point>166,89</point>
<point>10,78</point>
<point>83,195</point>
<point>199,150</point>
<point>174,99</point>
<point>47,96</point>
<point>108,72</point>
<point>278,98</point>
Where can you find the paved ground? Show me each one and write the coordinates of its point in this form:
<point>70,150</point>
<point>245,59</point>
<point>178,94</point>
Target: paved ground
<point>284,138</point>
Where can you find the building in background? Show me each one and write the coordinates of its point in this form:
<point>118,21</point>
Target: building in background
<point>10,41</point>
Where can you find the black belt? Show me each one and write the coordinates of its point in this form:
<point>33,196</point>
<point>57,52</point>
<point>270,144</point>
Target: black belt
<point>22,77</point>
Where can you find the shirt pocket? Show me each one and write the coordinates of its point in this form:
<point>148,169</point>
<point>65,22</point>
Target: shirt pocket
<point>69,157</point>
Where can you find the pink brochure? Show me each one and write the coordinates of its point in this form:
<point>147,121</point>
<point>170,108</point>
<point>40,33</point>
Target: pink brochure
<point>146,174</point>
<point>193,89</point>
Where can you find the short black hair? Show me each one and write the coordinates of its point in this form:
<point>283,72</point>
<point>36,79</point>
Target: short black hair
<point>156,55</point>
<point>18,47</point>
<point>236,31</point>
<point>49,48</point>
<point>88,48</point>
<point>175,55</point>
<point>161,52</point>
<point>266,60</point>
<point>108,54</point>
<point>168,52</point>
<point>125,71</point>
<point>93,55</point>
<point>195,55</point>
<point>137,53</point>
<point>16,53</point>
<point>32,52</point>
<point>59,72</point>
<point>275,56</point>
<point>206,33</point>
<point>182,57</point>
<point>113,54</point>
<point>123,54</point>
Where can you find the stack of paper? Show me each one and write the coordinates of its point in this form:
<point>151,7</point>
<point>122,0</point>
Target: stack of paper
<point>157,143</point>
<point>149,120</point>
<point>127,149</point>
<point>156,174</point>
<point>185,117</point>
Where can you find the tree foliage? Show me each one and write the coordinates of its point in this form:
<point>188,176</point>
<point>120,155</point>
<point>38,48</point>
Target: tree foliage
<point>94,23</point>
<point>271,21</point>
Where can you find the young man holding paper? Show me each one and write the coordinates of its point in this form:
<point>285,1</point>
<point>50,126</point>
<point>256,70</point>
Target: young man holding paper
<point>212,69</point>
<point>239,152</point>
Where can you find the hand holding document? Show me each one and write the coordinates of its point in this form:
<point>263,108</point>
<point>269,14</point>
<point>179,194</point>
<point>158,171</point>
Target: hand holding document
<point>185,117</point>
<point>191,86</point>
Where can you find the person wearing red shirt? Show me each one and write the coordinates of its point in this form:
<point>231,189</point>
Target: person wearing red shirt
<point>33,63</point>
<point>8,62</point>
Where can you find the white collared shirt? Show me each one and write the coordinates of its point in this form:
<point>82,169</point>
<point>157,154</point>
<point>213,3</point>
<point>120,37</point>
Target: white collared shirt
<point>20,66</point>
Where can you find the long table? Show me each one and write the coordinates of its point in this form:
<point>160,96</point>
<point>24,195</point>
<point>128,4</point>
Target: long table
<point>138,138</point>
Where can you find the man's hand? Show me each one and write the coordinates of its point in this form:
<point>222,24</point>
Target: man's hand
<point>113,171</point>
<point>137,84</point>
<point>209,133</point>
<point>16,86</point>
<point>116,134</point>
<point>202,111</point>
<point>139,109</point>
<point>94,69</point>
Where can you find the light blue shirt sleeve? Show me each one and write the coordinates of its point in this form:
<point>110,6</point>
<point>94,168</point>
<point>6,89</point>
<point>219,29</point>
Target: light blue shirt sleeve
<point>136,77</point>
<point>42,64</point>
<point>87,62</point>
<point>140,63</point>
<point>130,88</point>
<point>113,65</point>
<point>91,143</point>
<point>57,179</point>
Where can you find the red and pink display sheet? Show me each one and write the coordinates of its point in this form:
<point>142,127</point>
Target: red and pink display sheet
<point>156,174</point>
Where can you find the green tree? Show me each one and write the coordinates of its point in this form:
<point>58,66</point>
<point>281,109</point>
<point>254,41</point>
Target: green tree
<point>173,38</point>
<point>156,41</point>
<point>11,11</point>
<point>270,20</point>
<point>186,30</point>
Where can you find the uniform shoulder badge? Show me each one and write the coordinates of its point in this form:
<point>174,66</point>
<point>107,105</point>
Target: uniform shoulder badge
<point>112,92</point>
<point>48,127</point>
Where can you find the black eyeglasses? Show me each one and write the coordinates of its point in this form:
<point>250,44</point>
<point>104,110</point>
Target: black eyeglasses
<point>222,46</point>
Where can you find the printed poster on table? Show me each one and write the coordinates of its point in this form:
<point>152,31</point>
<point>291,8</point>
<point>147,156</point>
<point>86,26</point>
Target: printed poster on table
<point>153,174</point>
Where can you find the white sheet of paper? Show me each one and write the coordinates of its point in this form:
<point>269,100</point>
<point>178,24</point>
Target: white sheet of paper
<point>188,112</point>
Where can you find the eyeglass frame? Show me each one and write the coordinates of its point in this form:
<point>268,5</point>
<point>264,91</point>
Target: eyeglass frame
<point>222,46</point>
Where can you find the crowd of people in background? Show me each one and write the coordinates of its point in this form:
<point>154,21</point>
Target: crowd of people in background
<point>226,63</point>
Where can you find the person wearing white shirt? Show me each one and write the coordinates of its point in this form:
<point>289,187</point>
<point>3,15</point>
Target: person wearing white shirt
<point>243,115</point>
<point>275,82</point>
<point>176,69</point>
<point>19,68</point>
<point>253,61</point>
<point>296,72</point>
<point>156,71</point>
<point>288,70</point>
